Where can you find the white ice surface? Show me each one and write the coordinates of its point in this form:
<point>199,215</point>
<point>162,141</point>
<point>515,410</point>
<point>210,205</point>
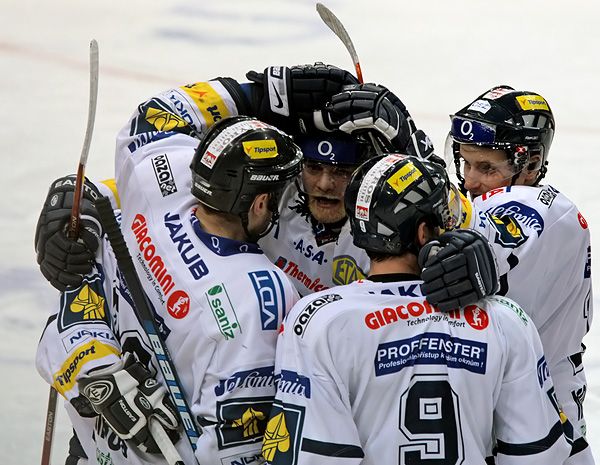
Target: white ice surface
<point>436,55</point>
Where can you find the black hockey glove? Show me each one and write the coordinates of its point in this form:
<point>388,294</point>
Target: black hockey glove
<point>287,97</point>
<point>63,261</point>
<point>458,269</point>
<point>368,107</point>
<point>127,396</point>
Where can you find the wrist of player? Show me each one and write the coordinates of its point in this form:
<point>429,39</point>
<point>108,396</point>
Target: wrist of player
<point>127,396</point>
<point>458,268</point>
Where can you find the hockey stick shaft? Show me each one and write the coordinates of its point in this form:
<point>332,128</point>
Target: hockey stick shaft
<point>145,314</point>
<point>73,228</point>
<point>164,443</point>
<point>333,23</point>
<point>49,426</point>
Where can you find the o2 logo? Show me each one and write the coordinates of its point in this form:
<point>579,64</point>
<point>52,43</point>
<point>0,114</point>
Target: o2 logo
<point>325,149</point>
<point>466,129</point>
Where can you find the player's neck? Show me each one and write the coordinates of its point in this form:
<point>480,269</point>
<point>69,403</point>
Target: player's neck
<point>407,263</point>
<point>222,225</point>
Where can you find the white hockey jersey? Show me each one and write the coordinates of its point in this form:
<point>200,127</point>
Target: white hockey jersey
<point>315,256</point>
<point>223,300</point>
<point>542,245</point>
<point>370,373</point>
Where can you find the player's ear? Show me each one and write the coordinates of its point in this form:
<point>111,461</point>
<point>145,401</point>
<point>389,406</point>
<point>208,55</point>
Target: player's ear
<point>424,234</point>
<point>260,202</point>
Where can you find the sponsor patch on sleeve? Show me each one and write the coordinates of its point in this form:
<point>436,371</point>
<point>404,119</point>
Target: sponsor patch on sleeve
<point>86,304</point>
<point>64,379</point>
<point>208,101</point>
<point>243,420</point>
<point>283,435</point>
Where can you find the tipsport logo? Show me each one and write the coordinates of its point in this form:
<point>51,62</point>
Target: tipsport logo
<point>270,295</point>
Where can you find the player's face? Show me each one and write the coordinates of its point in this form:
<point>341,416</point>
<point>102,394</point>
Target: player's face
<point>484,169</point>
<point>325,186</point>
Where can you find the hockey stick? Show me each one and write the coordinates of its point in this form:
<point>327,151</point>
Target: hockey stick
<point>145,315</point>
<point>333,23</point>
<point>73,228</point>
<point>163,441</point>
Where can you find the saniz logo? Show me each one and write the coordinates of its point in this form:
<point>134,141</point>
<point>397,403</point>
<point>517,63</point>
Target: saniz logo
<point>164,176</point>
<point>269,292</point>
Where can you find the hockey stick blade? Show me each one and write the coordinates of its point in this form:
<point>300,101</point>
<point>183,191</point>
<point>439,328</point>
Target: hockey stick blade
<point>145,314</point>
<point>333,23</point>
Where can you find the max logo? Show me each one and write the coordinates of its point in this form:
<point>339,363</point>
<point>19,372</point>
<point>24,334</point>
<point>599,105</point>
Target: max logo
<point>268,301</point>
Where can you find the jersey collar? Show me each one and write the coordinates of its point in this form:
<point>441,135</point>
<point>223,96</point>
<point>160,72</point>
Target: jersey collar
<point>393,277</point>
<point>223,246</point>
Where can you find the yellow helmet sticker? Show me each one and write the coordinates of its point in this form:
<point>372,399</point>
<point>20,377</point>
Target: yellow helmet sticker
<point>404,177</point>
<point>533,102</point>
<point>257,149</point>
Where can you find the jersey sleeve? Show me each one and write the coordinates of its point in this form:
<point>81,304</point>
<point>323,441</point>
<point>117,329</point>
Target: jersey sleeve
<point>311,420</point>
<point>78,337</point>
<point>529,427</point>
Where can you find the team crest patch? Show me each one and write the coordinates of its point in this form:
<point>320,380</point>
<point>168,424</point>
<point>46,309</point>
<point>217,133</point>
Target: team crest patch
<point>346,270</point>
<point>283,435</point>
<point>244,419</point>
<point>508,232</point>
<point>86,304</point>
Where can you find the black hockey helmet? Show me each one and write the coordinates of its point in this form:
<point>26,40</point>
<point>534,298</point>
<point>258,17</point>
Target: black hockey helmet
<point>239,158</point>
<point>335,148</point>
<point>518,122</point>
<point>390,195</point>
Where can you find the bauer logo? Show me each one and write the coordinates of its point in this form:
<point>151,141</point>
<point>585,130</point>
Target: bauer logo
<point>264,177</point>
<point>259,149</point>
<point>532,102</point>
<point>269,293</point>
<point>164,176</point>
<point>307,312</point>
<point>431,349</point>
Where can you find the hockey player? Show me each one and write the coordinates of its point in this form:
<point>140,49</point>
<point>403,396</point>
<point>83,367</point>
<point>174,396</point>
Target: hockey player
<point>218,300</point>
<point>499,146</point>
<point>371,373</point>
<point>311,242</point>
